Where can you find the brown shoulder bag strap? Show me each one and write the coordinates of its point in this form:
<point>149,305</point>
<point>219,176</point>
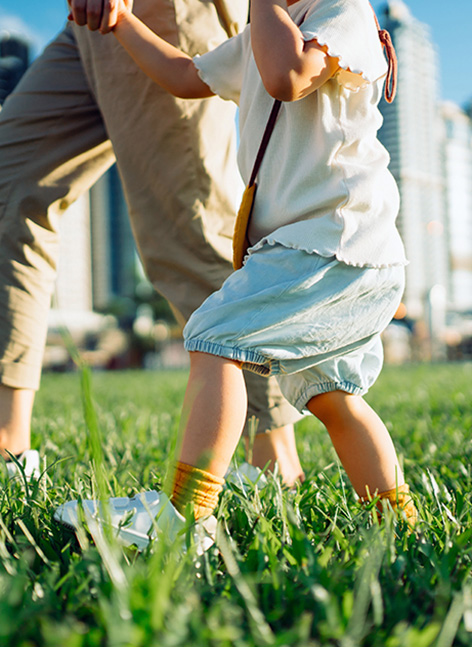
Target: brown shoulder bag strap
<point>391,81</point>
<point>265,140</point>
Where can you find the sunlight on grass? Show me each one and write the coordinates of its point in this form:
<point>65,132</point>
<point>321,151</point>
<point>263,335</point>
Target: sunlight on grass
<point>301,569</point>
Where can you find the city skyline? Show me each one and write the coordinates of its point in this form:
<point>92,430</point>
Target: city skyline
<point>431,156</point>
<point>449,24</point>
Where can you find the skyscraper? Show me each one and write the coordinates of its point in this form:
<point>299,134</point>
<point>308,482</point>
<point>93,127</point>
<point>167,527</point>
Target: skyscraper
<point>73,291</point>
<point>411,135</point>
<point>14,59</point>
<point>457,160</point>
<point>114,256</point>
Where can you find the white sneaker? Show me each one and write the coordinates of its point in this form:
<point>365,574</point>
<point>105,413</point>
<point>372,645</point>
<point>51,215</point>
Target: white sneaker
<point>29,461</point>
<point>137,520</point>
<point>246,476</point>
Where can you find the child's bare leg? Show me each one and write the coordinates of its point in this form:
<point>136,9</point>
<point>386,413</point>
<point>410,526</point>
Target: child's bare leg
<point>279,446</point>
<point>361,441</point>
<point>213,413</point>
<point>213,416</point>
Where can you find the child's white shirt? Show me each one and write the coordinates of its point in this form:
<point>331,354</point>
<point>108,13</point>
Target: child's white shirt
<point>324,184</point>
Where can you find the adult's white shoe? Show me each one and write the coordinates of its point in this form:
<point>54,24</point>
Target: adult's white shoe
<point>137,520</point>
<point>29,462</point>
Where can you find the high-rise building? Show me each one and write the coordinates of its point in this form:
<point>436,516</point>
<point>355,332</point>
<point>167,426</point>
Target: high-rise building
<point>98,264</point>
<point>114,256</point>
<point>457,161</point>
<point>411,135</point>
<point>14,60</point>
<point>74,278</point>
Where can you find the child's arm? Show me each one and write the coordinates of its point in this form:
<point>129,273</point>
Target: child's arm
<point>290,67</point>
<point>163,63</point>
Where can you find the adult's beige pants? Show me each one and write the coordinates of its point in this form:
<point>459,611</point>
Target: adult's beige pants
<point>81,105</point>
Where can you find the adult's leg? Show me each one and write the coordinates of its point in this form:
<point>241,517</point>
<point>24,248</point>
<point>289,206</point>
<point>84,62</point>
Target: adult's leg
<point>177,162</point>
<point>279,446</point>
<point>16,406</point>
<point>53,146</point>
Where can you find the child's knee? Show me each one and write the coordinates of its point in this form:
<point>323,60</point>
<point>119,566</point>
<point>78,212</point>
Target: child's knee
<point>334,406</point>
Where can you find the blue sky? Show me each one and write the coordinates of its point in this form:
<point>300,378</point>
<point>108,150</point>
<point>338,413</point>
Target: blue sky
<point>450,22</point>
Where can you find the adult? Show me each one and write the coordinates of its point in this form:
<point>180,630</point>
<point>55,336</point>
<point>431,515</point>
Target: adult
<point>81,105</point>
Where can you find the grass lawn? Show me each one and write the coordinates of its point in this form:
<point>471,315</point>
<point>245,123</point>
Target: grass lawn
<point>295,569</point>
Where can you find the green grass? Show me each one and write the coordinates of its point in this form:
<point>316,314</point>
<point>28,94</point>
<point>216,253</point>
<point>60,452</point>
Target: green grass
<point>298,568</point>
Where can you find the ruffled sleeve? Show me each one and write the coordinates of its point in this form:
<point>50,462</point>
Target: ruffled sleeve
<point>222,69</point>
<point>348,29</point>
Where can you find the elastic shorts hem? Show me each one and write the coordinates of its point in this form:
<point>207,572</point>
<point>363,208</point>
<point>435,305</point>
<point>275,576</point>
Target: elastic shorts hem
<point>325,387</point>
<point>250,360</point>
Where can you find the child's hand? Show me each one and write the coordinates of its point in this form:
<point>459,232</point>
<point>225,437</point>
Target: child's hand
<point>102,15</point>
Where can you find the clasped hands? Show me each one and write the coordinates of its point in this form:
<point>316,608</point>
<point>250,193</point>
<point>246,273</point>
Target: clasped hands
<point>98,15</point>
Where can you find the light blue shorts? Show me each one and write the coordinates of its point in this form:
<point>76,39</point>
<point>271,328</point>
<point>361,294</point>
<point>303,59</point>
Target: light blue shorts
<point>312,321</point>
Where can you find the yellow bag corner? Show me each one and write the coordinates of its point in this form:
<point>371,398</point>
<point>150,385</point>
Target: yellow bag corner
<point>240,237</point>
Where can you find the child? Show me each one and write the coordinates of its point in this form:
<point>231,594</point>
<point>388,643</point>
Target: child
<point>325,274</point>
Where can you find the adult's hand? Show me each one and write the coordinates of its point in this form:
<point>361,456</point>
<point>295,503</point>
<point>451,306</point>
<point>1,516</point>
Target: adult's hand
<point>98,14</point>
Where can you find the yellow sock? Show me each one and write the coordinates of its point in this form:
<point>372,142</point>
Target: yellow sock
<point>400,500</point>
<point>193,485</point>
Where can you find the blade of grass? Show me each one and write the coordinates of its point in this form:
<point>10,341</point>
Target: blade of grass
<point>366,587</point>
<point>32,541</point>
<point>451,622</point>
<point>262,631</point>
